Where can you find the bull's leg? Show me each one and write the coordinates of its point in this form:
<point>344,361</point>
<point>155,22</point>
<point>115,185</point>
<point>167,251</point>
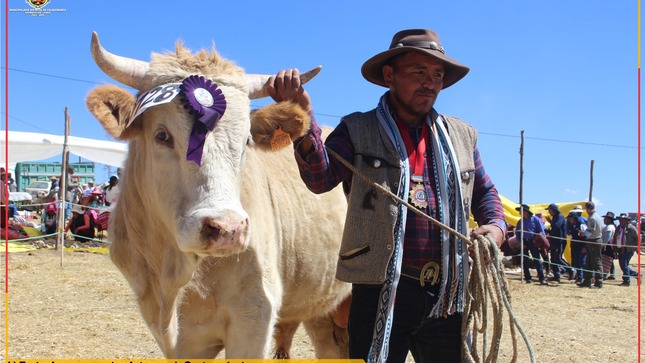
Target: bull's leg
<point>329,340</point>
<point>249,331</point>
<point>283,337</point>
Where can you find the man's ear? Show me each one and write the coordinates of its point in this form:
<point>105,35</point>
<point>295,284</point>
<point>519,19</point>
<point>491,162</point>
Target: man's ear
<point>388,72</point>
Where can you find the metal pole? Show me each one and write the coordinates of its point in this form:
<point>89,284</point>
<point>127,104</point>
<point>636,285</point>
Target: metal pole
<point>521,205</point>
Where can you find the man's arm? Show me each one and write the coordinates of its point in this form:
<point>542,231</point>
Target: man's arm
<point>319,172</point>
<point>486,205</point>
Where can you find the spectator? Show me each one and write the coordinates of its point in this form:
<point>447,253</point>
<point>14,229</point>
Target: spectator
<point>49,220</point>
<point>81,224</point>
<point>12,183</point>
<point>557,241</point>
<point>90,187</point>
<point>526,229</point>
<point>4,198</point>
<point>112,191</point>
<point>607,240</point>
<point>626,243</point>
<point>593,265</point>
<point>72,184</point>
<point>575,224</point>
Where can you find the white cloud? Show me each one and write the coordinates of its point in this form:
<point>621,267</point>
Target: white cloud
<point>571,191</point>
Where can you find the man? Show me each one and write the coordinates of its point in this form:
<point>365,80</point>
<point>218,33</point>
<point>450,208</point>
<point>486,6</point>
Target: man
<point>576,225</point>
<point>424,157</point>
<point>557,241</point>
<point>90,187</point>
<point>527,227</point>
<point>4,198</point>
<point>72,183</point>
<point>626,243</point>
<point>593,265</point>
<point>607,237</point>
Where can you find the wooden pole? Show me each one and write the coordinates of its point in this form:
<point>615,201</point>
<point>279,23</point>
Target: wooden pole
<point>521,241</point>
<point>591,181</point>
<point>63,190</point>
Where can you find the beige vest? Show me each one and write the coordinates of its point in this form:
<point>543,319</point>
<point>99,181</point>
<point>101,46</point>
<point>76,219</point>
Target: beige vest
<point>370,225</point>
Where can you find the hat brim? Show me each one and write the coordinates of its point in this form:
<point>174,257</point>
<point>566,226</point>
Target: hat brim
<point>372,69</point>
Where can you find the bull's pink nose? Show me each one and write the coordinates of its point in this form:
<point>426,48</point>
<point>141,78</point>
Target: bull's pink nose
<point>224,232</point>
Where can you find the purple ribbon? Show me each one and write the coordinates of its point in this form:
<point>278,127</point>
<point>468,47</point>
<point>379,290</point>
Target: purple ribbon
<point>206,102</point>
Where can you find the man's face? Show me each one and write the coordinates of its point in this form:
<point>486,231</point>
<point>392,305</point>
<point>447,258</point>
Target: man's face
<point>551,212</point>
<point>415,80</point>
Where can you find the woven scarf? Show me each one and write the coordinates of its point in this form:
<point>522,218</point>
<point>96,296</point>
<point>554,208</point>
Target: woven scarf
<point>454,273</point>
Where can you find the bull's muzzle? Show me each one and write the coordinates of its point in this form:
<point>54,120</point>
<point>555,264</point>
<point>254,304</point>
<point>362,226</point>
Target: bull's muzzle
<point>225,234</point>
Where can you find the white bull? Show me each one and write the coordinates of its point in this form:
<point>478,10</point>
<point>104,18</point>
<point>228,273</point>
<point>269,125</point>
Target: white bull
<point>222,255</point>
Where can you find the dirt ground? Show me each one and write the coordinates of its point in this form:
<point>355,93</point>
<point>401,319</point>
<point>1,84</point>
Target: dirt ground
<point>85,309</point>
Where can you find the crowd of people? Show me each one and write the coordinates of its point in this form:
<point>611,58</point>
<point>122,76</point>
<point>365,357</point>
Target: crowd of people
<point>596,241</point>
<point>89,206</point>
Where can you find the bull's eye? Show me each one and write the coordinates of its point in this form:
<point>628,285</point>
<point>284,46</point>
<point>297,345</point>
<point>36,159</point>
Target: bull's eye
<point>163,137</point>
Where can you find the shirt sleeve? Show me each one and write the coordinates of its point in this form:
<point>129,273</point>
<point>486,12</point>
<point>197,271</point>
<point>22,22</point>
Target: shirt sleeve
<point>318,170</point>
<point>486,205</point>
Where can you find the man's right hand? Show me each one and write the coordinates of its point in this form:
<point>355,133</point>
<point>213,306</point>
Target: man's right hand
<point>286,86</point>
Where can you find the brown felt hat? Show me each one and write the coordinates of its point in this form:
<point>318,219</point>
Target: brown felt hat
<point>417,40</point>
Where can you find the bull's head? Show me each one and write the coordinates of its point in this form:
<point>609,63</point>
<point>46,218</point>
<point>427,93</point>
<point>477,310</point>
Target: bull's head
<point>163,193</point>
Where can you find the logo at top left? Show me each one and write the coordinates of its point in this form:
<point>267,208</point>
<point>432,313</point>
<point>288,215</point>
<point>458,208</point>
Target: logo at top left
<point>37,4</point>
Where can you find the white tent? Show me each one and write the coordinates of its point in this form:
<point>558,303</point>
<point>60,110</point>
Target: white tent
<point>29,146</point>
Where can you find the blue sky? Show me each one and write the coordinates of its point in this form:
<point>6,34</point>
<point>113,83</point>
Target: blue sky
<point>565,72</point>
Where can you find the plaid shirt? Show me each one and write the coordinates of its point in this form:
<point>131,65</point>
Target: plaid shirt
<point>422,241</point>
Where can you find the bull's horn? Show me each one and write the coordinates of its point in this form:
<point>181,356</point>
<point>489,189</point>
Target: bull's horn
<point>128,71</point>
<point>257,82</point>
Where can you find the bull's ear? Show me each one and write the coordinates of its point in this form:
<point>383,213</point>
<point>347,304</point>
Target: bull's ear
<point>112,106</point>
<point>270,123</point>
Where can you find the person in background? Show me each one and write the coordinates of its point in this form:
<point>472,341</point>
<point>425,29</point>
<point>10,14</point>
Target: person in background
<point>607,238</point>
<point>81,224</point>
<point>427,158</point>
<point>557,241</point>
<point>11,183</point>
<point>526,228</point>
<point>593,233</point>
<point>626,243</point>
<point>49,219</point>
<point>576,224</point>
<point>90,187</point>
<point>72,183</point>
<point>4,198</point>
<point>112,192</point>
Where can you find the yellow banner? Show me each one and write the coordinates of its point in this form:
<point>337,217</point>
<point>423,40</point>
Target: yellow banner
<point>512,216</point>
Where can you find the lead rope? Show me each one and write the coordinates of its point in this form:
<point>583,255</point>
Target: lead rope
<point>482,287</point>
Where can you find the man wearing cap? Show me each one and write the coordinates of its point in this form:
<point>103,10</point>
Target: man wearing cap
<point>593,265</point>
<point>607,236</point>
<point>557,241</point>
<point>527,227</point>
<point>626,243</point>
<point>576,225</point>
<point>424,157</point>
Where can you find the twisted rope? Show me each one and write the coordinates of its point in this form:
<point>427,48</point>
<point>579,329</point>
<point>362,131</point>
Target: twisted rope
<point>487,281</point>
